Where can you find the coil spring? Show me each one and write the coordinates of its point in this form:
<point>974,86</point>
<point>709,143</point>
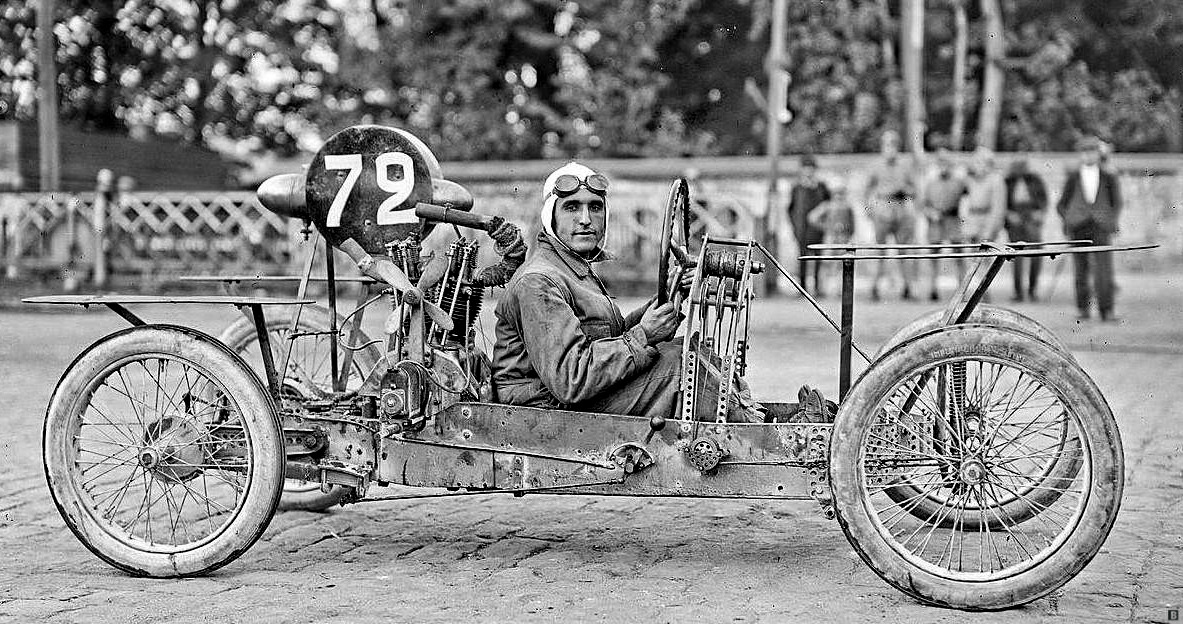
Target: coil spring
<point>405,254</point>
<point>455,294</point>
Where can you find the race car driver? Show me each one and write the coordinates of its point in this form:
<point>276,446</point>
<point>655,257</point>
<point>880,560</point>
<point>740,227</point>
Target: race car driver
<point>561,340</point>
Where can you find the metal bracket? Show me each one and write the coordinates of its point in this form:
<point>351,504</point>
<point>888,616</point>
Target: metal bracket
<point>632,457</point>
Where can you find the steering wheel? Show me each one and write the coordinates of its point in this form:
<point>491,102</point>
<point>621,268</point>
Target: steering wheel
<point>675,230</point>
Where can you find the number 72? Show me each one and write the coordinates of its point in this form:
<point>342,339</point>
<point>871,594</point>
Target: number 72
<point>399,186</point>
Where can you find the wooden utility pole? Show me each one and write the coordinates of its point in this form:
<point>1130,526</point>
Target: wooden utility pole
<point>49,144</point>
<point>960,55</point>
<point>990,112</point>
<point>912,50</point>
<point>777,112</point>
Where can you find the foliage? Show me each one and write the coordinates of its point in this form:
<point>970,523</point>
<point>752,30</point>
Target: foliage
<point>479,79</point>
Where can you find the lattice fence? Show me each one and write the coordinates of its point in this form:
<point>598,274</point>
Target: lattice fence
<point>152,237</point>
<point>47,232</point>
<point>163,235</point>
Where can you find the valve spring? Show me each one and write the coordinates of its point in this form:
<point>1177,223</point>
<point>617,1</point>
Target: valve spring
<point>405,254</point>
<point>412,249</point>
<point>459,298</point>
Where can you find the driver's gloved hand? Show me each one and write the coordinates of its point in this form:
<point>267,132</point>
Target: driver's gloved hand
<point>507,238</point>
<point>508,243</point>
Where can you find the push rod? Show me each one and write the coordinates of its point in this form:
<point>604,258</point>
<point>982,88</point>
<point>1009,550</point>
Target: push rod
<point>816,306</point>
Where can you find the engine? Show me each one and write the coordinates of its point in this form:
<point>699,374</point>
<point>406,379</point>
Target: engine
<point>457,295</point>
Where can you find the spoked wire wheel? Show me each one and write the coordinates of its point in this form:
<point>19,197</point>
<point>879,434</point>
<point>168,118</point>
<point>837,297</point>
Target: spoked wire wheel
<point>163,452</point>
<point>308,373</point>
<point>1010,462</point>
<point>1028,441</point>
<point>308,376</point>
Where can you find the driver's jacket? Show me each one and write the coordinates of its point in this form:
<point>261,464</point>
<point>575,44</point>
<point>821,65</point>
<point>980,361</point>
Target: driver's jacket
<point>561,340</point>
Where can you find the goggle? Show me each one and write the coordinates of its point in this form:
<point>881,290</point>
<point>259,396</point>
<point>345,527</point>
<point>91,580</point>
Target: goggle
<point>567,184</point>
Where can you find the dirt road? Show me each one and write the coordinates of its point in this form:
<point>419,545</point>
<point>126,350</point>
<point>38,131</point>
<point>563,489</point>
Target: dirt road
<point>552,558</point>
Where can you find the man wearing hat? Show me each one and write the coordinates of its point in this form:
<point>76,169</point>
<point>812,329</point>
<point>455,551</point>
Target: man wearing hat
<point>561,340</point>
<point>889,202</point>
<point>807,193</point>
<point>1090,206</point>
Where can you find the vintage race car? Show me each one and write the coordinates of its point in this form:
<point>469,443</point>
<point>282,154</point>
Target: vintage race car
<point>973,464</point>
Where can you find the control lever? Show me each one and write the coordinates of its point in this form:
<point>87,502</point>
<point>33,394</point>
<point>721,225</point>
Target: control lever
<point>656,423</point>
<point>461,218</point>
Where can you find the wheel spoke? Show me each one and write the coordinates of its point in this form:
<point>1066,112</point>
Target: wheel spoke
<point>931,478</point>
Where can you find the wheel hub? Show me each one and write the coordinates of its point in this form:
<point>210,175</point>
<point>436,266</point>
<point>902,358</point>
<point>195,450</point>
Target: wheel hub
<point>972,472</point>
<point>149,458</point>
<point>172,449</point>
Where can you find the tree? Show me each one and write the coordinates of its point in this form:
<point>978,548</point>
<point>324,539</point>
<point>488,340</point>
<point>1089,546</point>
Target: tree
<point>1080,67</point>
<point>992,81</point>
<point>960,54</point>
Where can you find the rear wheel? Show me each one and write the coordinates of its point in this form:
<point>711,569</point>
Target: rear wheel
<point>163,452</point>
<point>973,549</point>
<point>1067,461</point>
<point>307,377</point>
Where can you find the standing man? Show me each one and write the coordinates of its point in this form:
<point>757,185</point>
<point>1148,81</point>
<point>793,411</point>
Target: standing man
<point>1026,207</point>
<point>889,203</point>
<point>983,209</point>
<point>942,196</point>
<point>807,193</point>
<point>835,218</point>
<point>1090,206</point>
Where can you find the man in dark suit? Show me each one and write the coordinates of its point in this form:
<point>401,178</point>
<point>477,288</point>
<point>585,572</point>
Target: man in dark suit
<point>1090,206</point>
<point>808,191</point>
<point>1026,206</point>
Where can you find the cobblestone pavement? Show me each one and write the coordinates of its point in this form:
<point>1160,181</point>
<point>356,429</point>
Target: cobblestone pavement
<point>554,558</point>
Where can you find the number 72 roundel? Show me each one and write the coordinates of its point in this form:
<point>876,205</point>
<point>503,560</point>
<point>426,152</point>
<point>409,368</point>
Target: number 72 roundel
<point>364,183</point>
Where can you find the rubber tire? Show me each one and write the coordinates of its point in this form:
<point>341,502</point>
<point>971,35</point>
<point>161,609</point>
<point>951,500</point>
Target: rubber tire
<point>983,314</point>
<point>1058,373</point>
<point>241,336</point>
<point>260,418</point>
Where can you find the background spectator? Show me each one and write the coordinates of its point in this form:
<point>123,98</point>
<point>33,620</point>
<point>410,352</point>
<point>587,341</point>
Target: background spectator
<point>808,191</point>
<point>1026,208</point>
<point>983,209</point>
<point>890,190</point>
<point>1090,206</point>
<point>942,196</point>
<point>835,218</point>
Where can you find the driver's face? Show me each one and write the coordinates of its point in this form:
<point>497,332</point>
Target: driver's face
<point>579,221</point>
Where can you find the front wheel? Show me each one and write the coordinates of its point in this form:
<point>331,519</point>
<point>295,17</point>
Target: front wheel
<point>163,452</point>
<point>968,552</point>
